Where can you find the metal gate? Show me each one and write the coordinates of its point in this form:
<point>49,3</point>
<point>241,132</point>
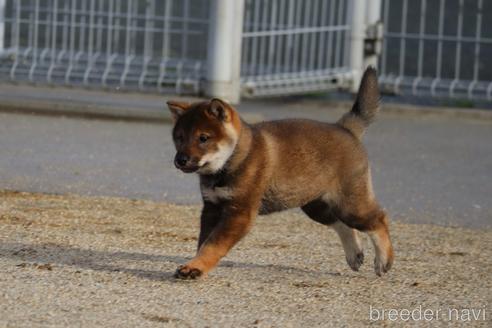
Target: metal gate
<point>295,46</point>
<point>251,47</point>
<point>146,45</point>
<point>438,48</point>
<point>288,46</point>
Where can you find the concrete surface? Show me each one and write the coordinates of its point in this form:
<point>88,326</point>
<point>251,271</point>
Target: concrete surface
<point>104,104</point>
<point>429,168</point>
<point>83,103</point>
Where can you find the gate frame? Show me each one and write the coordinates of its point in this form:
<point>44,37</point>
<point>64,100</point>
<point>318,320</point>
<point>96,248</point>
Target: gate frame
<point>223,78</point>
<point>365,38</point>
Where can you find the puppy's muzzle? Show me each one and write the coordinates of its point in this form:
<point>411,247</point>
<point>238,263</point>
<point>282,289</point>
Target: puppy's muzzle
<point>183,162</point>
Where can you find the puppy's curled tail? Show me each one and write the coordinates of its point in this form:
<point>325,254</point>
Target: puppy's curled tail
<point>365,107</point>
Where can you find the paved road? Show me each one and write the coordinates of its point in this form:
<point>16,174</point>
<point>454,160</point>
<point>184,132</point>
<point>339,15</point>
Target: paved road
<point>427,169</point>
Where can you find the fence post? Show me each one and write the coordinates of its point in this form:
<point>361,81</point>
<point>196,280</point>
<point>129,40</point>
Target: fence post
<point>357,36</point>
<point>224,49</point>
<point>374,33</point>
<point>2,25</point>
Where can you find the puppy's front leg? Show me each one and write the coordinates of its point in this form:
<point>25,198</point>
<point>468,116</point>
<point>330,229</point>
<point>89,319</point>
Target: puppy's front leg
<point>210,218</point>
<point>234,225</point>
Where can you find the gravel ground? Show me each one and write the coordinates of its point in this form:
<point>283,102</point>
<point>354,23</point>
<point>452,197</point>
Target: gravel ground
<point>95,261</point>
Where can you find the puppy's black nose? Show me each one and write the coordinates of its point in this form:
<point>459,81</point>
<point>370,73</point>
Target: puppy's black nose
<point>181,159</point>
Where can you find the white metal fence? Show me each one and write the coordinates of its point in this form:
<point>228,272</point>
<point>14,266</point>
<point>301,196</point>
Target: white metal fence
<point>295,46</point>
<point>431,47</point>
<point>438,48</point>
<point>130,44</point>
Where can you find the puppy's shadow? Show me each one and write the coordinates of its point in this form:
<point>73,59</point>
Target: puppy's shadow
<point>87,258</point>
<point>102,260</point>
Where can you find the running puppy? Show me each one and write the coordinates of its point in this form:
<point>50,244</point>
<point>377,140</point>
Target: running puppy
<point>263,168</point>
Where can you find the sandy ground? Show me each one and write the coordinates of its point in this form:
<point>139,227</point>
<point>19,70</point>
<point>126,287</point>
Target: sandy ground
<point>82,261</point>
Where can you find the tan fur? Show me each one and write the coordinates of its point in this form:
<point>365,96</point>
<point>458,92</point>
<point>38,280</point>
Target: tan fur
<point>321,168</point>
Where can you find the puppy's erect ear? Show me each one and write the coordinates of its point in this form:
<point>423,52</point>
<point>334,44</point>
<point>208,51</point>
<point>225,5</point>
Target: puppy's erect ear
<point>177,108</point>
<point>220,110</point>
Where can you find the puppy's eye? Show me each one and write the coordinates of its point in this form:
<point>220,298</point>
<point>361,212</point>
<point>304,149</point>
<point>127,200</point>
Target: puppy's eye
<point>179,139</point>
<point>203,138</point>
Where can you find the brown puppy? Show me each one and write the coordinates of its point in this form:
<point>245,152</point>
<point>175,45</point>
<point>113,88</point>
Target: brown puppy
<point>247,170</point>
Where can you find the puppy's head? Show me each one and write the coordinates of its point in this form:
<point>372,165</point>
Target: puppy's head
<point>205,135</point>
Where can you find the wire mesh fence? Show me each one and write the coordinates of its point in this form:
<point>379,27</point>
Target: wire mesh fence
<point>430,47</point>
<point>438,48</point>
<point>294,46</point>
<point>130,44</point>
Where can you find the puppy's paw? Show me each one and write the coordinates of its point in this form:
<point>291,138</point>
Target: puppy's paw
<point>185,272</point>
<point>381,266</point>
<point>355,260</point>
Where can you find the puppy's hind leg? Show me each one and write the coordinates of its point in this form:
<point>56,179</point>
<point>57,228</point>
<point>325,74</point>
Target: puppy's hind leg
<point>319,211</point>
<point>375,224</point>
<point>382,244</point>
<point>351,244</point>
<point>360,210</point>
